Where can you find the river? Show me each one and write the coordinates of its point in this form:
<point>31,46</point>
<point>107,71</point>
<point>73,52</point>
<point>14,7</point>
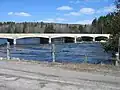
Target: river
<point>27,49</point>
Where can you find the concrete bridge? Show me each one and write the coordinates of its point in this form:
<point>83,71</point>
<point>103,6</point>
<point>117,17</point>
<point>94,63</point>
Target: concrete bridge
<point>14,37</point>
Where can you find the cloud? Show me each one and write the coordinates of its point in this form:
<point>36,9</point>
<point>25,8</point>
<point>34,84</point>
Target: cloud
<point>56,20</point>
<point>107,9</point>
<point>96,0</point>
<point>65,8</point>
<point>10,13</point>
<point>73,14</point>
<point>84,22</point>
<point>79,1</point>
<point>60,19</point>
<point>90,11</point>
<point>87,11</point>
<point>19,14</point>
<point>75,2</point>
<point>48,20</point>
<point>81,11</point>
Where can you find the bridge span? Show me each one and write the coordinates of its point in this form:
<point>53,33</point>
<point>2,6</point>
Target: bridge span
<point>14,37</point>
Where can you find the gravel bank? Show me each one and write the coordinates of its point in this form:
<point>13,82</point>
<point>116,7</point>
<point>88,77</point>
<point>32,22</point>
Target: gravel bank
<point>23,75</point>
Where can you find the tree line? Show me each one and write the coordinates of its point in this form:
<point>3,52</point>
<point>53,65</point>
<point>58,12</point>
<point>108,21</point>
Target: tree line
<point>109,24</point>
<point>41,27</point>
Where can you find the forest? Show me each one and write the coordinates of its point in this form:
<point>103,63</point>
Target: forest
<point>41,27</point>
<point>109,24</point>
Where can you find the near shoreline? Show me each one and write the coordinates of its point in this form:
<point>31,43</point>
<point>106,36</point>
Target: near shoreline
<point>79,67</point>
<point>34,75</point>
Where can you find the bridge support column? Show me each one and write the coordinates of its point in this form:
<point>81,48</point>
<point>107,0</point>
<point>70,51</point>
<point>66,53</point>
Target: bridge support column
<point>93,39</point>
<point>75,39</point>
<point>63,40</point>
<point>14,41</point>
<point>50,40</point>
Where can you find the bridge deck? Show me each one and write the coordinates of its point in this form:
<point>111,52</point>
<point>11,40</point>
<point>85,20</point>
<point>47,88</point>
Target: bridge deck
<point>21,35</point>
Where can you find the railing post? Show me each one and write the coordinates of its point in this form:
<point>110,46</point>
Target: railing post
<point>119,49</point>
<point>118,54</point>
<point>117,59</point>
<point>86,59</point>
<point>53,52</point>
<point>8,51</point>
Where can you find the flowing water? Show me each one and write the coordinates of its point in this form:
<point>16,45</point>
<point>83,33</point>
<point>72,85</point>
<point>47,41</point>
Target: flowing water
<point>76,53</point>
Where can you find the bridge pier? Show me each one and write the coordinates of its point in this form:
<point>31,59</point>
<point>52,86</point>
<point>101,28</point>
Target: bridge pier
<point>14,41</point>
<point>63,40</point>
<point>75,39</point>
<point>50,40</point>
<point>93,39</point>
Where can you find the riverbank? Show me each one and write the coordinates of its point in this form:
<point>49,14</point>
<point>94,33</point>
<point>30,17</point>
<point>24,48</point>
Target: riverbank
<point>33,75</point>
<point>79,67</point>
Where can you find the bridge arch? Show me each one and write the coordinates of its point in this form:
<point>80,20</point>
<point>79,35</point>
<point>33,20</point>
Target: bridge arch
<point>101,38</point>
<point>23,37</point>
<point>7,39</point>
<point>32,40</point>
<point>62,35</point>
<point>63,39</point>
<point>86,38</point>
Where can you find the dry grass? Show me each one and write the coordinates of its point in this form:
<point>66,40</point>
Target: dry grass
<point>89,67</point>
<point>71,66</point>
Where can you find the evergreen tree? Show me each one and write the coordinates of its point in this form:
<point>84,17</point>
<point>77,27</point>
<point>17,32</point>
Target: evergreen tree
<point>81,28</point>
<point>49,29</point>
